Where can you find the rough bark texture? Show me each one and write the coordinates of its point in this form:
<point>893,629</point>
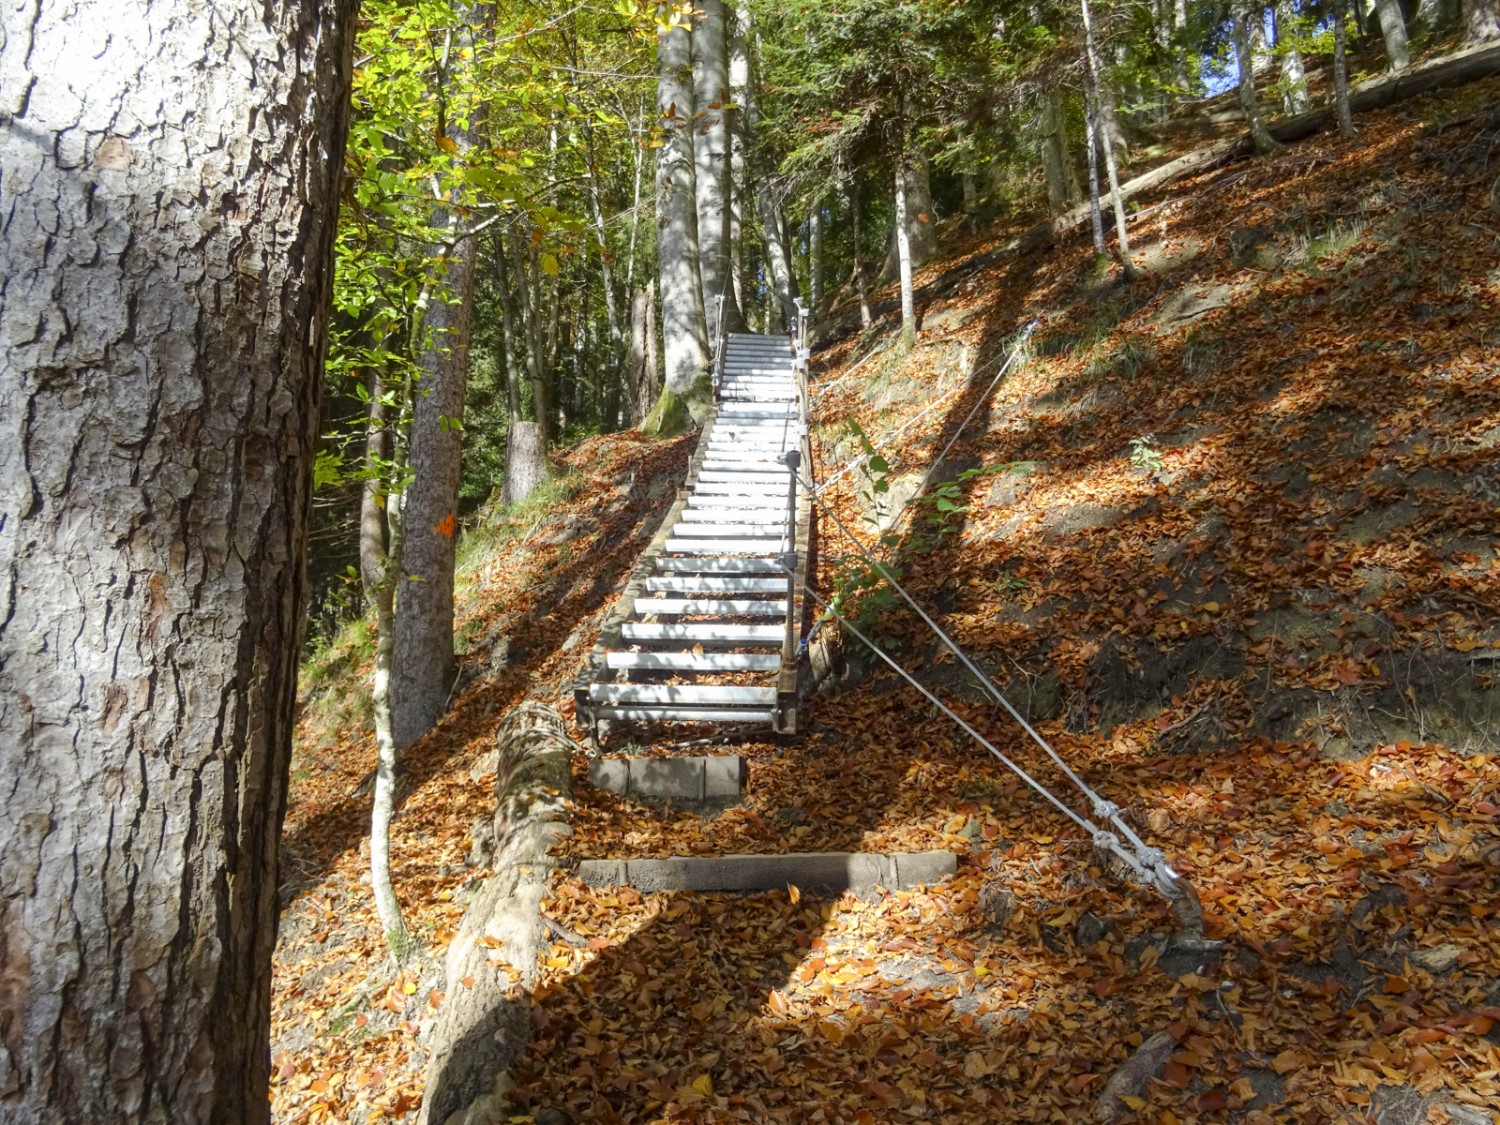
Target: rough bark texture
<point>165,256</point>
<point>1293,72</point>
<point>1480,20</point>
<point>483,1027</point>
<point>1062,182</point>
<point>525,462</point>
<point>424,665</point>
<point>684,329</point>
<point>640,366</point>
<point>1393,29</point>
<point>921,229</point>
<point>711,157</point>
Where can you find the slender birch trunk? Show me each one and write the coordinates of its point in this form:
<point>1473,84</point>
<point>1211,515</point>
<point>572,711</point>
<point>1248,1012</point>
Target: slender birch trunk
<point>1341,68</point>
<point>903,238</point>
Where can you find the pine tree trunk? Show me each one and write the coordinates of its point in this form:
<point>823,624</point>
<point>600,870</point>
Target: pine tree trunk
<point>1260,136</point>
<point>711,157</point>
<point>1393,29</point>
<point>685,393</point>
<point>1293,72</point>
<point>1341,68</point>
<point>170,181</point>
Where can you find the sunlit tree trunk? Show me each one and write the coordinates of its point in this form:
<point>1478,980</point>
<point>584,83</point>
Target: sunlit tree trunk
<point>921,227</point>
<point>1393,29</point>
<point>372,545</point>
<point>1096,84</point>
<point>424,661</point>
<point>902,233</point>
<point>1480,20</point>
<point>1096,213</point>
<point>815,254</point>
<point>685,393</point>
<point>1293,73</point>
<point>778,255</point>
<point>711,158</point>
<point>170,182</point>
<point>1243,15</point>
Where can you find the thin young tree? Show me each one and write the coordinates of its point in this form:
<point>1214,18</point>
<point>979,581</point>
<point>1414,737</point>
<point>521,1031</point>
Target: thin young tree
<point>1341,68</point>
<point>1095,77</point>
<point>171,184</point>
<point>1242,17</point>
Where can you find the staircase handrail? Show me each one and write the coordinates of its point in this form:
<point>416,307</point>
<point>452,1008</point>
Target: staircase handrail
<point>721,339</point>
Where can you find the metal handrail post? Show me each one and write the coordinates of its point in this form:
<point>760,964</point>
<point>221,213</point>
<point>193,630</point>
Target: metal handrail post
<point>720,344</point>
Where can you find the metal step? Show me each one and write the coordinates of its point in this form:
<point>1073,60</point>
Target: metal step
<point>701,695</point>
<point>693,661</point>
<point>717,634</point>
<point>720,512</point>
<point>716,585</point>
<point>723,564</point>
<point>723,546</point>
<point>706,607</point>
<point>743,476</point>
<point>696,530</point>
<point>685,714</point>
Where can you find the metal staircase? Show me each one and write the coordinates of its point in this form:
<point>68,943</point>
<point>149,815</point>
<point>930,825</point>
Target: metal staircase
<point>707,628</point>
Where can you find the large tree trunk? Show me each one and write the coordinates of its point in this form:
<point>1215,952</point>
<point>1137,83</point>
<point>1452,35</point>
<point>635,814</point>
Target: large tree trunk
<point>525,462</point>
<point>921,229</point>
<point>1480,20</point>
<point>640,365</point>
<point>424,663</point>
<point>711,160</point>
<point>1393,29</point>
<point>170,185</point>
<point>686,393</point>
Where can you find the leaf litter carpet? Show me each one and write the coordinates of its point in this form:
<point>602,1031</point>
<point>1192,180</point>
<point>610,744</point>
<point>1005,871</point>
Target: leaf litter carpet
<point>1269,630</point>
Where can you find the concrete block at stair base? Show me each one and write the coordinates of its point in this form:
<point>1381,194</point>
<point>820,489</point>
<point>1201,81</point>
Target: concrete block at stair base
<point>723,777</point>
<point>834,872</point>
<point>677,778</point>
<point>916,868</point>
<point>604,872</point>
<point>610,773</point>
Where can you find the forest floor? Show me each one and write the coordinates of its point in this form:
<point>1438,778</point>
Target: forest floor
<point>1227,536</point>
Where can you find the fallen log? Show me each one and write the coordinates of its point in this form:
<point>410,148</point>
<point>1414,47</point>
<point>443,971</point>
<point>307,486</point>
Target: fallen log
<point>485,1021</point>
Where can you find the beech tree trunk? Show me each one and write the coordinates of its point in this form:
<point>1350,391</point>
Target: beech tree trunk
<point>1293,72</point>
<point>815,255</point>
<point>1260,136</point>
<point>711,159</point>
<point>768,209</point>
<point>170,183</point>
<point>1341,69</point>
<point>686,392</point>
<point>1096,89</point>
<point>1480,20</point>
<point>902,234</point>
<point>525,462</point>
<point>1393,30</point>
<point>372,544</point>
